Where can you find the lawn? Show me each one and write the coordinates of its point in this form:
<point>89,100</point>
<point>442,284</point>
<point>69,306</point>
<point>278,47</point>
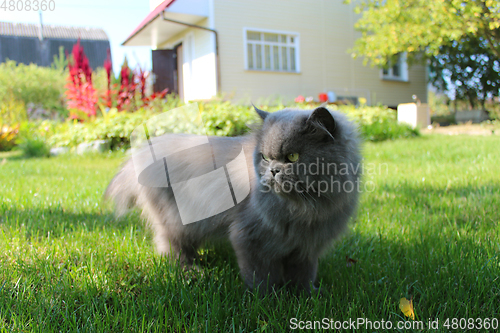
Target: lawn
<point>427,229</point>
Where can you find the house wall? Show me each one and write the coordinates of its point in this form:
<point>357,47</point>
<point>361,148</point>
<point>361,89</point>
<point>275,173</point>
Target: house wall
<point>326,30</point>
<point>199,74</point>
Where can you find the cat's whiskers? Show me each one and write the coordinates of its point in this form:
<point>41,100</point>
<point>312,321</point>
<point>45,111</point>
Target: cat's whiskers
<point>302,193</point>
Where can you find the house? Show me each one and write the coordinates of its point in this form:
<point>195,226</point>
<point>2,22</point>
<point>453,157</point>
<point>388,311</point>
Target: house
<point>36,43</point>
<point>263,48</point>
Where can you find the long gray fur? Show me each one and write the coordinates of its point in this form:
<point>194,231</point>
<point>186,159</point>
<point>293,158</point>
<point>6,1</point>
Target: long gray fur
<point>277,236</point>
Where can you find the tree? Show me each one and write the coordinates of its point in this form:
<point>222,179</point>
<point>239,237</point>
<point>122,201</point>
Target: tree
<point>418,27</point>
<point>460,38</point>
<point>469,67</point>
<point>60,62</point>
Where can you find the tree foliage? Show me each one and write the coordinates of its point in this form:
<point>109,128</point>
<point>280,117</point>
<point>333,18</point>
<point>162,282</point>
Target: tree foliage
<point>469,68</point>
<point>417,27</point>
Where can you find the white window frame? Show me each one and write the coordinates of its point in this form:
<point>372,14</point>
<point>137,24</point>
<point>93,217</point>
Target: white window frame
<point>289,34</point>
<point>403,70</point>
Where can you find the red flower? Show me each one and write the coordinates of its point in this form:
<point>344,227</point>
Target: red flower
<point>80,93</point>
<point>323,97</point>
<point>108,66</point>
<point>300,99</point>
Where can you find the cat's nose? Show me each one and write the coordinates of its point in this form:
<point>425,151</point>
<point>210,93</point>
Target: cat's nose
<point>274,171</point>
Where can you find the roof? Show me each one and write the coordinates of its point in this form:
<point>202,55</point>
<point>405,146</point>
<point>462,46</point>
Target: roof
<point>151,16</point>
<point>51,31</point>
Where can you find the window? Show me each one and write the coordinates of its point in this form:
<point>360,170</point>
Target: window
<point>397,71</point>
<point>271,51</point>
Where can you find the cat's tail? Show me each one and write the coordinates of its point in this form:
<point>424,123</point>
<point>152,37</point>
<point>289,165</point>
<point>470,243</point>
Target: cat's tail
<point>124,189</point>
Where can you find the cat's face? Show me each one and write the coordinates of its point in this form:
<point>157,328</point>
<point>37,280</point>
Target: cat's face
<point>298,154</point>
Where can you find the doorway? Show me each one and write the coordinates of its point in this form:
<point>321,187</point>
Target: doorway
<point>167,70</point>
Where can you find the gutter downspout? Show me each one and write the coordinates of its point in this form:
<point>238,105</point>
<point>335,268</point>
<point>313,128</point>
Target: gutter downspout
<point>217,60</point>
<point>40,27</point>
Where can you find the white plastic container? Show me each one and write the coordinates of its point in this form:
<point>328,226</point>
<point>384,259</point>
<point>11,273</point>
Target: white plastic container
<point>414,115</point>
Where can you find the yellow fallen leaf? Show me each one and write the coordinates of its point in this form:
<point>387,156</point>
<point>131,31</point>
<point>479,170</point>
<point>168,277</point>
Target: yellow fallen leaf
<point>406,307</point>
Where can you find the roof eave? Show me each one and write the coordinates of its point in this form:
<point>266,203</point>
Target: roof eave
<point>138,31</point>
<point>147,21</point>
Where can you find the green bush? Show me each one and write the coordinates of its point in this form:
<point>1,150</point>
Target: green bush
<point>8,136</point>
<point>116,128</point>
<point>226,119</point>
<point>494,112</point>
<point>387,130</point>
<point>32,141</point>
<point>34,147</point>
<point>375,123</point>
<point>378,123</point>
<point>12,113</point>
<point>220,118</point>
<point>12,110</point>
<point>368,114</point>
<point>42,86</point>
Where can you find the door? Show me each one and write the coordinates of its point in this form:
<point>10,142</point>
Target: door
<point>164,68</point>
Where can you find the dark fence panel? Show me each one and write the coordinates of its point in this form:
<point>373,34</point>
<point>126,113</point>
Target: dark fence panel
<point>28,50</point>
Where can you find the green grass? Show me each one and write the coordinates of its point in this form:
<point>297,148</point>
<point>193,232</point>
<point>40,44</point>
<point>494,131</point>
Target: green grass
<point>429,230</point>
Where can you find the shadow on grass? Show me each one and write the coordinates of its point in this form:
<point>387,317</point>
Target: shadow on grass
<point>12,155</point>
<point>445,273</point>
<point>38,222</point>
<point>58,222</point>
<point>457,205</point>
<point>132,294</point>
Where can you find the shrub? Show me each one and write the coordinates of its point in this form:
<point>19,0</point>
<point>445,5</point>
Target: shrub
<point>495,112</point>
<point>34,147</point>
<point>375,123</point>
<point>32,142</point>
<point>368,114</point>
<point>8,136</point>
<point>225,119</point>
<point>220,118</point>
<point>378,123</point>
<point>87,90</point>
<point>42,86</point>
<point>387,130</point>
<point>114,126</point>
<point>12,112</point>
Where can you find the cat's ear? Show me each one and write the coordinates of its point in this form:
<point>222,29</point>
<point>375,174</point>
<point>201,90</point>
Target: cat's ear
<point>323,119</point>
<point>262,114</point>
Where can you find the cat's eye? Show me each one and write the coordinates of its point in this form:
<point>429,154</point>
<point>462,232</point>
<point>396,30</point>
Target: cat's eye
<point>265,157</point>
<point>293,157</point>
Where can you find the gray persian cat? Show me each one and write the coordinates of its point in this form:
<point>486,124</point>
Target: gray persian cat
<point>302,171</point>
